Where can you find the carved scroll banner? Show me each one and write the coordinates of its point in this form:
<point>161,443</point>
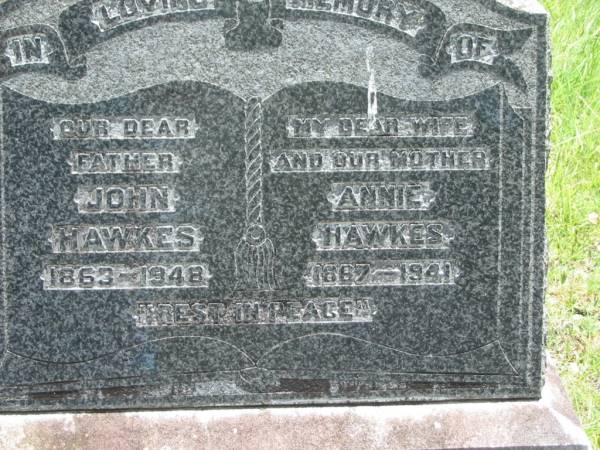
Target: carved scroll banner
<point>419,23</point>
<point>36,48</point>
<point>248,25</point>
<point>90,22</point>
<point>478,47</point>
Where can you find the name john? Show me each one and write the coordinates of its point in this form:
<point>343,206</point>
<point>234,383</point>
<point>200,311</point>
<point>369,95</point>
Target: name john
<point>126,198</point>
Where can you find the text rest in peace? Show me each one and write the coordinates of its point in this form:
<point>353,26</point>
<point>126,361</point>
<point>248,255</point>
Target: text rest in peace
<point>285,311</point>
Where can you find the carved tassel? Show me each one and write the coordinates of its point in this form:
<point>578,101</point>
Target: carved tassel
<point>255,253</point>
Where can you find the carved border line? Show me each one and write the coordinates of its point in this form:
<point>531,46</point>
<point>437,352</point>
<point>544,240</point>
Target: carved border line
<point>256,362</point>
<point>4,306</point>
<point>539,145</point>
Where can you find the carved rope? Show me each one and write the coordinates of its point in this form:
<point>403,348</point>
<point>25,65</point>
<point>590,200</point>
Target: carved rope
<point>254,163</point>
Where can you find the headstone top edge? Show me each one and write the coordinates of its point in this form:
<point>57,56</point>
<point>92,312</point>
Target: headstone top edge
<point>525,6</point>
<point>529,6</point>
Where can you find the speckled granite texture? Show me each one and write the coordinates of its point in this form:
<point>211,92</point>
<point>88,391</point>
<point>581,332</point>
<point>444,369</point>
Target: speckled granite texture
<point>214,203</point>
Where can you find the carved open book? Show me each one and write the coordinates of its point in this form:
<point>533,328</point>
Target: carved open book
<point>320,210</point>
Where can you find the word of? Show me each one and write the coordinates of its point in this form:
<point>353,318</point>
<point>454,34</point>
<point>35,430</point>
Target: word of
<point>469,47</point>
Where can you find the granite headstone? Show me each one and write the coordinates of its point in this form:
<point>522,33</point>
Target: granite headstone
<point>218,202</point>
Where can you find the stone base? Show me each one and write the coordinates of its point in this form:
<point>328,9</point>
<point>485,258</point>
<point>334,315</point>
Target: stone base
<point>547,423</point>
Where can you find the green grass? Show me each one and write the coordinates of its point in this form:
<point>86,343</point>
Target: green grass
<point>573,184</point>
